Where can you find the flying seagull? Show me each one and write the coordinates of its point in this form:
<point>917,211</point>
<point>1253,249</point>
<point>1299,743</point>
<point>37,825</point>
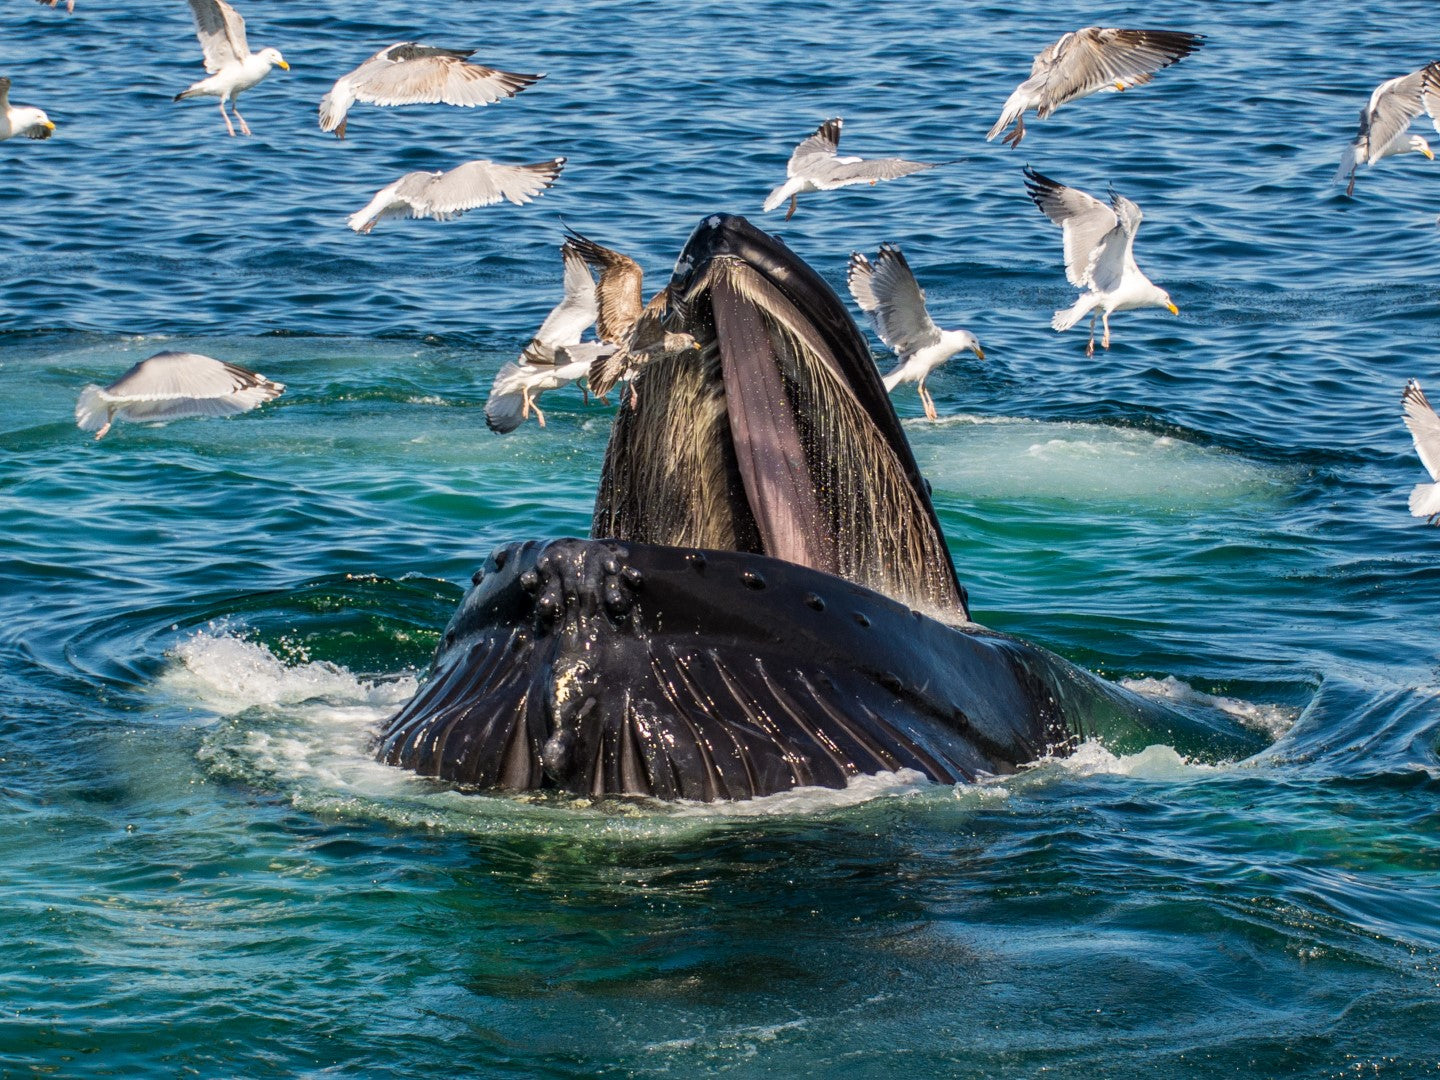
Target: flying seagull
<point>408,73</point>
<point>170,386</point>
<point>445,195</point>
<point>636,330</point>
<point>816,166</point>
<point>1099,254</point>
<point>541,367</point>
<point>232,66</point>
<point>1088,61</point>
<point>21,119</point>
<point>1424,427</point>
<point>1385,121</point>
<point>887,291</point>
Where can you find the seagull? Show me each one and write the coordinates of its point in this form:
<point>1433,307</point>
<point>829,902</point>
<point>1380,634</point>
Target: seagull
<point>816,166</point>
<point>228,59</point>
<point>1424,427</point>
<point>637,331</point>
<point>171,386</point>
<point>887,291</point>
<point>1384,122</point>
<point>540,368</point>
<point>1099,254</point>
<point>446,195</point>
<point>1087,61</point>
<point>408,73</point>
<point>69,4</point>
<point>21,119</point>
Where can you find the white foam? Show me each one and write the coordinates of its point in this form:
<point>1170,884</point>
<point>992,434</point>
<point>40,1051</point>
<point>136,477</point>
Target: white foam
<point>229,674</point>
<point>1156,762</point>
<point>1005,457</point>
<point>1270,720</point>
<point>812,800</point>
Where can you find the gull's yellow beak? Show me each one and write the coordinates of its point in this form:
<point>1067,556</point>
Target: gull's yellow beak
<point>283,64</point>
<point>1119,86</point>
<point>50,125</point>
<point>979,352</point>
<point>1173,309</point>
<point>1428,152</point>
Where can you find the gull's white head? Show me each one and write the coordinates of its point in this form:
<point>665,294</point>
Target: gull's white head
<point>273,58</point>
<point>971,342</point>
<point>1162,299</point>
<point>31,121</point>
<point>1420,146</point>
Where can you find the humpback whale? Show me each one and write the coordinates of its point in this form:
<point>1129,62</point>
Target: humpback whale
<point>767,600</point>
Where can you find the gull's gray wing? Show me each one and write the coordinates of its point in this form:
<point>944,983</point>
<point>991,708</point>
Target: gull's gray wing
<point>1394,105</point>
<point>570,318</point>
<point>173,385</point>
<point>816,149</point>
<point>1084,219</point>
<point>1424,427</point>
<point>408,73</point>
<point>1106,58</point>
<point>887,291</point>
<point>4,91</point>
<point>221,31</point>
<point>841,172</point>
<point>476,183</point>
<point>1430,93</point>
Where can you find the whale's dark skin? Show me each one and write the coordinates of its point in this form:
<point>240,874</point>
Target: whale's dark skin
<point>771,603</point>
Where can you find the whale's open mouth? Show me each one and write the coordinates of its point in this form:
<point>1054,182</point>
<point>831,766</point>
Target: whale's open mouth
<point>777,437</point>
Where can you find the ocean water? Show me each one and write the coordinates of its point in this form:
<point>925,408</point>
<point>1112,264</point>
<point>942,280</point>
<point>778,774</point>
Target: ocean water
<point>203,623</point>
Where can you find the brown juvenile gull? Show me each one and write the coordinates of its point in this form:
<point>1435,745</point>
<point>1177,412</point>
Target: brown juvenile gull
<point>1087,61</point>
<point>887,291</point>
<point>408,73</point>
<point>816,166</point>
<point>636,330</point>
<point>232,66</point>
<point>171,386</point>
<point>1099,254</point>
<point>1424,428</point>
<point>1385,122</point>
<point>21,119</point>
<point>541,367</point>
<point>445,195</point>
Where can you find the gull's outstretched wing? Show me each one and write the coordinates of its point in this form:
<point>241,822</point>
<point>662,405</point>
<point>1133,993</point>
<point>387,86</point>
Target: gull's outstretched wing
<point>842,172</point>
<point>173,385</point>
<point>1107,58</point>
<point>887,291</point>
<point>570,318</point>
<point>446,195</point>
<point>618,294</point>
<point>1084,219</point>
<point>814,150</point>
<point>221,31</point>
<point>1394,105</point>
<point>408,73</point>
<point>1424,427</point>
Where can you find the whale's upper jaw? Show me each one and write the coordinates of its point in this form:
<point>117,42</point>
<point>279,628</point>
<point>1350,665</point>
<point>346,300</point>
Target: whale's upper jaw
<point>776,436</point>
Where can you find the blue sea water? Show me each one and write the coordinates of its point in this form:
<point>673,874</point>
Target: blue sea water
<point>203,623</point>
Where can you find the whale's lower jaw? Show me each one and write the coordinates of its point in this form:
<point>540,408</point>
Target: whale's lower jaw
<point>608,668</point>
